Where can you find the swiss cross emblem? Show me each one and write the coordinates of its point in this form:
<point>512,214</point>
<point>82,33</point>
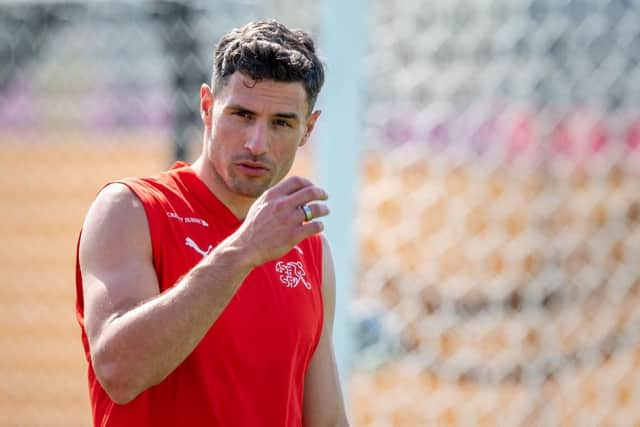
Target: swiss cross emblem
<point>292,274</point>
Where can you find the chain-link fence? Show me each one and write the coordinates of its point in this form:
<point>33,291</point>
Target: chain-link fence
<point>499,215</point>
<point>498,225</point>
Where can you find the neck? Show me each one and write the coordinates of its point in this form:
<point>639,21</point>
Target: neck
<point>238,205</point>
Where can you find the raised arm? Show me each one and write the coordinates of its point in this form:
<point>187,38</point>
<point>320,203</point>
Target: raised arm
<point>323,401</point>
<point>137,335</point>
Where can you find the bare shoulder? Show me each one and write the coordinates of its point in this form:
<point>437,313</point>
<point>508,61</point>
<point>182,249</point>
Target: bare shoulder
<point>116,218</point>
<point>116,203</point>
<point>325,241</point>
<point>328,282</point>
<point>115,256</point>
<point>328,269</point>
<point>112,201</point>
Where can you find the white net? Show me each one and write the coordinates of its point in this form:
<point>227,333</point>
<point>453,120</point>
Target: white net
<point>498,222</point>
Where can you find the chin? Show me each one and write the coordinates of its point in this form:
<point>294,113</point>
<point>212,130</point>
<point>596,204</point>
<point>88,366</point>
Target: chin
<point>252,191</point>
<point>250,194</point>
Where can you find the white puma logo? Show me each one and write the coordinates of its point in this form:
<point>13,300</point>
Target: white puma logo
<point>189,242</point>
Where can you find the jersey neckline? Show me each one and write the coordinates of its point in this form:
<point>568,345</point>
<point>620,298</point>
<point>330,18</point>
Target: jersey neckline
<point>205,196</point>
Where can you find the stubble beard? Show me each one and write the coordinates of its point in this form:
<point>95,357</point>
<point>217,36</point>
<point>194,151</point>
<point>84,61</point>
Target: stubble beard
<point>246,186</point>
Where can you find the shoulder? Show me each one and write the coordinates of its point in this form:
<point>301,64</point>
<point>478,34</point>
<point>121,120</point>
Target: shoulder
<point>115,201</point>
<point>328,269</point>
<point>132,198</point>
<point>323,240</point>
<point>318,244</point>
<point>326,250</point>
<point>115,221</point>
<point>117,192</point>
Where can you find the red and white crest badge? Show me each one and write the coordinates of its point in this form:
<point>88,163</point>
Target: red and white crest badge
<point>292,274</point>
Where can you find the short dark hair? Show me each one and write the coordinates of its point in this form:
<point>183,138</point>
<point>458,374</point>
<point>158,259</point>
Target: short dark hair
<point>266,49</point>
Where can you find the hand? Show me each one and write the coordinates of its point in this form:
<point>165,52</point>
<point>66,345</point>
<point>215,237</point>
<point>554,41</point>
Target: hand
<point>275,222</point>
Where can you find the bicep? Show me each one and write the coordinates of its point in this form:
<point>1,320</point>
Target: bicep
<point>115,258</point>
<point>323,401</point>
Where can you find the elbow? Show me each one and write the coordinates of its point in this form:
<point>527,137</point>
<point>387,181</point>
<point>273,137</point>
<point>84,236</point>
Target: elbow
<point>121,397</point>
<point>118,384</point>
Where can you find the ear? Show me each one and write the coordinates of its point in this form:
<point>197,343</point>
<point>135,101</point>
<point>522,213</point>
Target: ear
<point>311,123</point>
<point>206,104</point>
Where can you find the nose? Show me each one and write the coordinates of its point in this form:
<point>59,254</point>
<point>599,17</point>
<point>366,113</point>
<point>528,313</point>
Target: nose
<point>257,143</point>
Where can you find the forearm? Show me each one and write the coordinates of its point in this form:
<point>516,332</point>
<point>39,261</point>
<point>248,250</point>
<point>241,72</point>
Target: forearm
<point>140,347</point>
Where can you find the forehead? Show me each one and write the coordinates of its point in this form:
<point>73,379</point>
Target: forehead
<point>267,96</point>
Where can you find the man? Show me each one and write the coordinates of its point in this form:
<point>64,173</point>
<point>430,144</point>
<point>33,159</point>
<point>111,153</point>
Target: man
<point>206,294</point>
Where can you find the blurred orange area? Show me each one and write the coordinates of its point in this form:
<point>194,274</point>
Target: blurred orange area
<point>514,291</point>
<point>399,396</point>
<point>47,187</point>
<point>463,255</point>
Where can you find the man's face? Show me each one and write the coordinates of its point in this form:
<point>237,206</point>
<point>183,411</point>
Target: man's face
<point>255,131</point>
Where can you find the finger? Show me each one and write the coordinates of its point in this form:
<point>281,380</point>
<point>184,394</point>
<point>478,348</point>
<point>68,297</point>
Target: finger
<point>308,229</point>
<point>291,185</point>
<point>318,210</point>
<point>306,195</point>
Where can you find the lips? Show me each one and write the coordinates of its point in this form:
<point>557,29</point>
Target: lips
<point>254,169</point>
<point>253,165</point>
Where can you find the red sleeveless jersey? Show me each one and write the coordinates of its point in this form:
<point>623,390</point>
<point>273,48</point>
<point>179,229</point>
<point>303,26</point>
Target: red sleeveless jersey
<point>249,368</point>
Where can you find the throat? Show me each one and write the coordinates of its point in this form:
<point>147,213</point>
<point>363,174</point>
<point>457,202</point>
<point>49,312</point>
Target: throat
<point>237,202</point>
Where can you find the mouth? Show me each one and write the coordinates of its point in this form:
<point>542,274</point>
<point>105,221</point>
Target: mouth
<point>250,168</point>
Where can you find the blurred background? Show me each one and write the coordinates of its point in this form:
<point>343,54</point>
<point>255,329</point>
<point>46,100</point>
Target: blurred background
<point>496,276</point>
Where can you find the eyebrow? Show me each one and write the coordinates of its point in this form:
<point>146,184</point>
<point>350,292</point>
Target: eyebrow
<point>293,116</point>
<point>289,116</point>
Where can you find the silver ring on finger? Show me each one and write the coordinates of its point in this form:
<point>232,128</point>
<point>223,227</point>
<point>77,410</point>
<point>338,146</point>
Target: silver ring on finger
<point>308,215</point>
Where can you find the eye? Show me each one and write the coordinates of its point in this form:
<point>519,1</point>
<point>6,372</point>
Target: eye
<point>243,114</point>
<point>281,122</point>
